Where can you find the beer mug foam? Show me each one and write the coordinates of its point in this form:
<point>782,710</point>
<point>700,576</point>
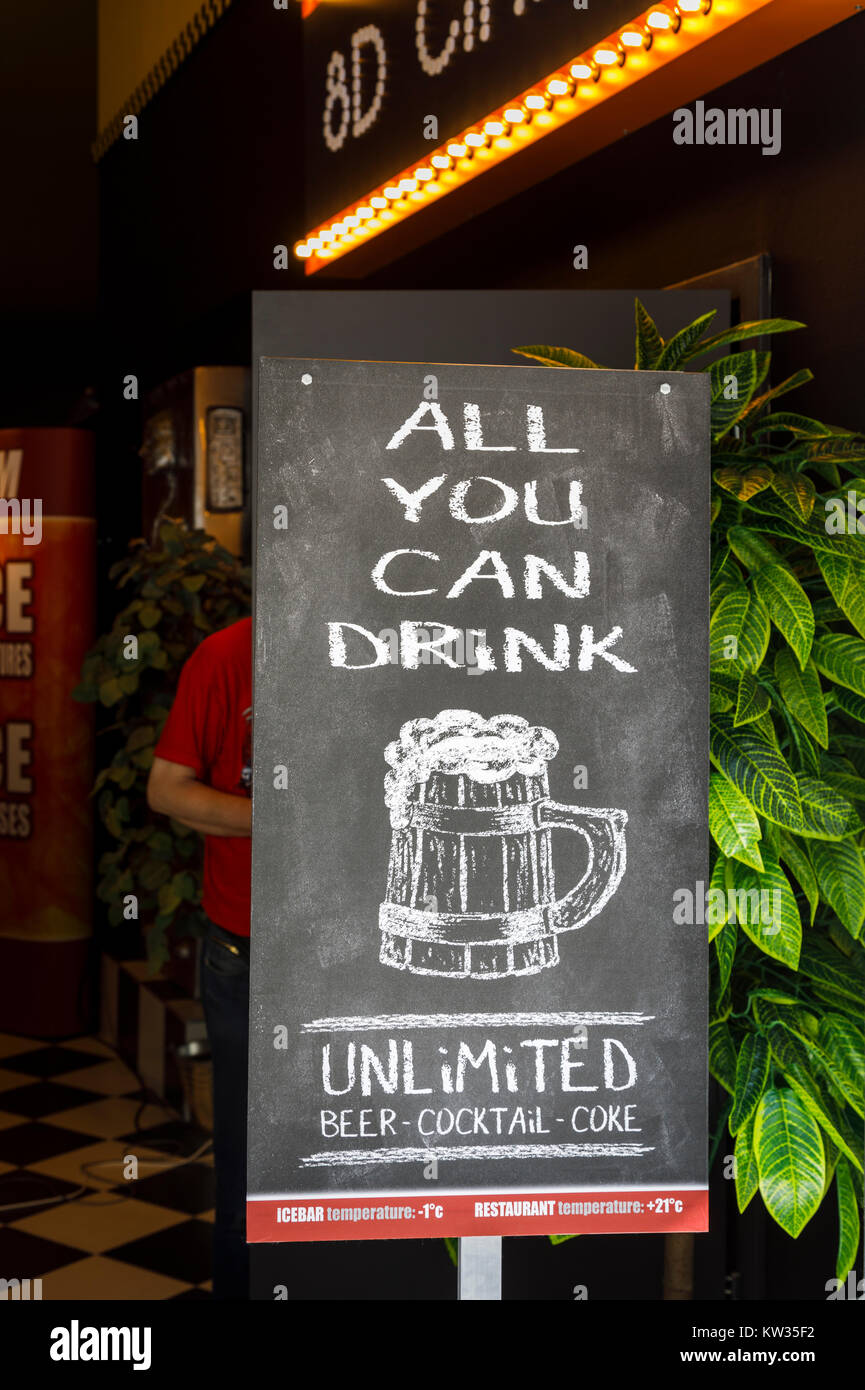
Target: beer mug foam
<point>471,887</point>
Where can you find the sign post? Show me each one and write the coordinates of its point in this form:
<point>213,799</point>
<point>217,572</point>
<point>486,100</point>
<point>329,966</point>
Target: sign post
<point>480,1268</point>
<point>480,788</point>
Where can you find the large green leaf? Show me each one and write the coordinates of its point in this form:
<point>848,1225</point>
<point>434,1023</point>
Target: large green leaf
<point>764,727</point>
<point>767,513</point>
<point>747,1173</point>
<point>790,1158</point>
<point>733,822</point>
<point>741,332</point>
<point>794,1058</point>
<point>556,356</point>
<point>842,1042</point>
<point>650,344</point>
<point>767,1011</point>
<point>743,484</point>
<point>716,898</point>
<point>840,870</point>
<point>726,628</point>
<point>803,751</point>
<point>854,706</point>
<point>802,693</point>
<point>848,1219</point>
<point>842,659</point>
<point>801,425</point>
<point>722,1055</point>
<point>846,581</point>
<point>788,605</point>
<point>742,618</point>
<point>759,771</point>
<point>791,383</point>
<point>847,783</point>
<point>752,700</point>
<point>822,962</point>
<point>796,859</point>
<point>754,635</point>
<point>842,1003</point>
<point>766,910</point>
<point>849,451</point>
<point>751,548</point>
<point>734,381</point>
<point>725,950</point>
<point>679,346</point>
<point>826,814</point>
<point>797,491</point>
<point>752,1073</point>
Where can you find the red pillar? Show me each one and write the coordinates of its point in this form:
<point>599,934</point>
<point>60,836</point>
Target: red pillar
<point>47,596</point>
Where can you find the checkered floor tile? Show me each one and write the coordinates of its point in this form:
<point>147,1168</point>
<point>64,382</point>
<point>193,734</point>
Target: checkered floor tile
<point>93,1198</point>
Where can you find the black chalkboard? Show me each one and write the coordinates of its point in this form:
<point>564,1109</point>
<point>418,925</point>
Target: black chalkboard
<point>480,718</point>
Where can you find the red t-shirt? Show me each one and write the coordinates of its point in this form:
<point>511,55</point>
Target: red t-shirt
<point>210,730</point>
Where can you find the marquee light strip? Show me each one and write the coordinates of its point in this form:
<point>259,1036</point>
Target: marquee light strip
<point>655,38</point>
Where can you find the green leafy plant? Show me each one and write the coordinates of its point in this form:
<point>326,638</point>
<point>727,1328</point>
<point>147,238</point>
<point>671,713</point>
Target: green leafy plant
<point>787,789</point>
<point>180,590</point>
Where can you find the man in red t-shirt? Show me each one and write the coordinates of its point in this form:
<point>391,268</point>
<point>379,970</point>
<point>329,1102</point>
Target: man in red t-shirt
<point>202,777</point>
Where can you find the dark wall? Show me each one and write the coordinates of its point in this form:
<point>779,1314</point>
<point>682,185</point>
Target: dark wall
<point>48,249</point>
<point>653,213</point>
<point>189,215</point>
<point>192,209</point>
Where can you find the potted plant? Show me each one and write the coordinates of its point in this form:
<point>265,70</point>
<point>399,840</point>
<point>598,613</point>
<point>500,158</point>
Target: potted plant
<point>787,787</point>
<point>179,589</point>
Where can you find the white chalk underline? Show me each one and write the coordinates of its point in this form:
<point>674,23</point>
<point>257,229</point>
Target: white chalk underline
<point>339,1158</point>
<point>385,1022</point>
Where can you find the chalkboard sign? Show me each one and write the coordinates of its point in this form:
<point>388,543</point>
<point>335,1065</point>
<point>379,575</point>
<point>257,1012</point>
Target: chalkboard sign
<point>480,714</point>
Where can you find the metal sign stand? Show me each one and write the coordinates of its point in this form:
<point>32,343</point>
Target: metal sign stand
<point>479,1268</point>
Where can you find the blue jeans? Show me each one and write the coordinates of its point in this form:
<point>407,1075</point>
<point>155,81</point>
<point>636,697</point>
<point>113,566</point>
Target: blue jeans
<point>225,996</point>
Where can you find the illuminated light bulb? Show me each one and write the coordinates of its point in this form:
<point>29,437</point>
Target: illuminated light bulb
<point>635,38</point>
<point>495,128</point>
<point>365,213</point>
<point>408,185</point>
<point>559,88</point>
<point>536,103</point>
<point>339,228</point>
<point>313,243</point>
<point>378,202</point>
<point>514,115</point>
<point>694,6</point>
<point>440,161</point>
<point>608,57</point>
<point>424,174</point>
<point>582,71</point>
<point>475,140</point>
<point>457,151</point>
<point>327,235</point>
<point>303,250</point>
<point>351,221</point>
<point>663,19</point>
<point>391,192</point>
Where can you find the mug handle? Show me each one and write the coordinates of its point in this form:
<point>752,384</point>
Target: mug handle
<point>604,833</point>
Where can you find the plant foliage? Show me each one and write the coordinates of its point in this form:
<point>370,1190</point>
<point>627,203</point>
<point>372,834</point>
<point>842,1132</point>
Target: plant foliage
<point>787,789</point>
<point>179,592</point>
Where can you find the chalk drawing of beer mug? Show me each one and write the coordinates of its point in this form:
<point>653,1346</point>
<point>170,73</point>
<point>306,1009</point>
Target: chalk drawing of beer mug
<point>471,887</point>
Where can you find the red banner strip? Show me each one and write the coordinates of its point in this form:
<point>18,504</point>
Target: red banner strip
<point>417,1217</point>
